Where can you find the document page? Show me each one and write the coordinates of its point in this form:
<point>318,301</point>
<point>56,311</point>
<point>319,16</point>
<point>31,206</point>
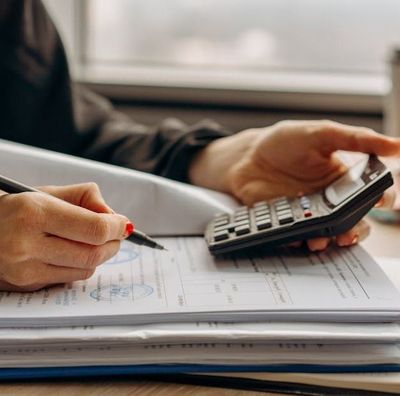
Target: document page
<point>228,354</point>
<point>201,332</point>
<point>186,283</point>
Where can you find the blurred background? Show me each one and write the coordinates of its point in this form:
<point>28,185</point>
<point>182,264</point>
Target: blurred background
<point>242,62</point>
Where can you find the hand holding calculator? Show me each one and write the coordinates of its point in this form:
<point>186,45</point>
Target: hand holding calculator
<point>279,221</point>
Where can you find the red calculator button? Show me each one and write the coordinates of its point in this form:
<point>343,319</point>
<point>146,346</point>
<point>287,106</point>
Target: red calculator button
<point>307,213</point>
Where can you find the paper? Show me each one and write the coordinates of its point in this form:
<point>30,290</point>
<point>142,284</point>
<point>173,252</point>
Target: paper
<point>203,332</point>
<point>228,354</point>
<point>141,285</point>
<point>391,266</point>
<point>158,206</point>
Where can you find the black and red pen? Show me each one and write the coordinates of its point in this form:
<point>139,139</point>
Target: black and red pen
<point>139,238</point>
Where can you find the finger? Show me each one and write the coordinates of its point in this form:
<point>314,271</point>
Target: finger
<point>387,200</point>
<point>55,274</point>
<point>66,253</point>
<point>79,224</point>
<point>335,136</point>
<point>34,274</point>
<point>358,233</point>
<point>318,244</point>
<point>8,287</point>
<point>86,195</point>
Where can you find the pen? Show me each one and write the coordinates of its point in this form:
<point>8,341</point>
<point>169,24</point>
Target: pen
<point>13,187</point>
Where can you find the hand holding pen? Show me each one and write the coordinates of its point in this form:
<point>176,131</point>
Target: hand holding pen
<point>58,237</point>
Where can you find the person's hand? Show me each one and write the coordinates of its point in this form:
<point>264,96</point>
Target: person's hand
<point>286,159</point>
<point>45,240</point>
<point>391,198</point>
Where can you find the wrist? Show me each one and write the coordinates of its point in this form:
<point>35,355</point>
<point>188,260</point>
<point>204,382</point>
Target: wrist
<point>204,171</point>
<point>212,166</point>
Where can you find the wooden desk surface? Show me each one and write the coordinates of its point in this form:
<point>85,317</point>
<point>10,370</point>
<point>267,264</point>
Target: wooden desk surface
<point>383,242</point>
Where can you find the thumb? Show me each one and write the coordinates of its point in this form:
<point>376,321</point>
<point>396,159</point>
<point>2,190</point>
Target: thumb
<point>387,200</point>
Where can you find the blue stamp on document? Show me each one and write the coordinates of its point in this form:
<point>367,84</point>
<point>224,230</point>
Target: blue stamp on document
<point>125,255</point>
<point>121,292</point>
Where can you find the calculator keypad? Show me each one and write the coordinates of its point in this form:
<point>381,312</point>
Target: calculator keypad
<point>283,220</point>
<point>262,216</point>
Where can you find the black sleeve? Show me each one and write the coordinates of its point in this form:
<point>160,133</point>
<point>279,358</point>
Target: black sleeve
<point>41,106</point>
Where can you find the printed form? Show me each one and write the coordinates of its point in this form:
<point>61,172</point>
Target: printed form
<point>142,285</point>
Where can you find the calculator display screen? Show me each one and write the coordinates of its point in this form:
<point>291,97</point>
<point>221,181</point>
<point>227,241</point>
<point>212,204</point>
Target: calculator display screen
<point>347,185</point>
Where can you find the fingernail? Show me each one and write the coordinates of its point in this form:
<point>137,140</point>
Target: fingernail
<point>354,240</point>
<point>129,228</point>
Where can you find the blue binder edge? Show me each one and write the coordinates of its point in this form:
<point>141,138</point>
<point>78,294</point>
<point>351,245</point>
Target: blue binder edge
<point>128,370</point>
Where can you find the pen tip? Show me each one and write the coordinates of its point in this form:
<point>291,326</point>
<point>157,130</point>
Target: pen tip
<point>160,247</point>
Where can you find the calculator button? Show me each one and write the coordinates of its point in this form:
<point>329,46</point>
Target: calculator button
<point>241,218</point>
<point>262,214</point>
<point>262,218</point>
<point>282,207</point>
<point>229,227</point>
<point>245,229</point>
<point>221,235</point>
<point>242,223</point>
<point>260,204</point>
<point>258,215</point>
<point>263,224</point>
<point>284,213</point>
<point>261,210</point>
<point>305,203</point>
<point>241,213</point>
<point>285,219</point>
<point>307,213</point>
<point>221,222</point>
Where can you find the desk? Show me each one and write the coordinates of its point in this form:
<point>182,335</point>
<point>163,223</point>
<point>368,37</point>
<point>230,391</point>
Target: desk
<point>383,242</point>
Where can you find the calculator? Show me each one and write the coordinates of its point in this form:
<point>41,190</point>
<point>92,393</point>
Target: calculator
<point>279,221</point>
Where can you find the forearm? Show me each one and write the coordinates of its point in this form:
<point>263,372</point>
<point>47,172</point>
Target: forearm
<point>166,149</point>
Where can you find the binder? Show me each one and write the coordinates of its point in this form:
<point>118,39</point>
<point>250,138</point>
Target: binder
<point>27,373</point>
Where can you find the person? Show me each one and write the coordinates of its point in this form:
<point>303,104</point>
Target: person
<point>64,235</point>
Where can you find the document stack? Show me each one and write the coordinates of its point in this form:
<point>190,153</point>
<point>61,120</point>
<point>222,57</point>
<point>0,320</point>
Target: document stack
<point>148,311</point>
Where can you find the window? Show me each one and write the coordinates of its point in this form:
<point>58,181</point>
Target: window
<point>302,35</point>
<point>263,46</point>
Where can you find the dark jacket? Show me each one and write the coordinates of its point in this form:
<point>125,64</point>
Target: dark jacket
<point>41,106</point>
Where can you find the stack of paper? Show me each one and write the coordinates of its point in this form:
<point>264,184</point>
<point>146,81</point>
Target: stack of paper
<point>186,283</point>
<point>145,308</point>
